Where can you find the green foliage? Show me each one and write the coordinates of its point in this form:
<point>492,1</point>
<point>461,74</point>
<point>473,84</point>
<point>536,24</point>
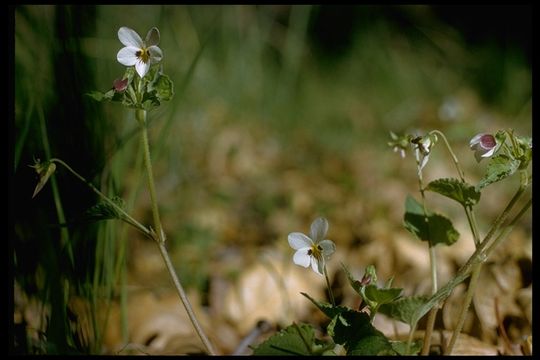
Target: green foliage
<point>370,293</point>
<point>146,93</point>
<point>296,339</point>
<point>110,95</point>
<point>524,151</point>
<point>328,309</point>
<point>460,191</point>
<point>400,347</point>
<point>381,296</point>
<point>516,156</point>
<point>406,309</point>
<point>499,168</point>
<point>428,226</point>
<point>354,330</point>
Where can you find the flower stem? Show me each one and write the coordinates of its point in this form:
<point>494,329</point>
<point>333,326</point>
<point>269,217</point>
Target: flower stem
<point>330,293</point>
<point>468,209</point>
<point>410,338</point>
<point>185,300</point>
<point>465,307</point>
<point>454,158</point>
<point>141,118</point>
<point>472,224</point>
<point>508,228</point>
<point>433,266</point>
<point>125,216</point>
<point>433,312</point>
<point>160,239</point>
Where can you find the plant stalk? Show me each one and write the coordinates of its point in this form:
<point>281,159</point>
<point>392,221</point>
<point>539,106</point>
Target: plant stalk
<point>126,217</point>
<point>187,305</point>
<point>160,239</point>
<point>330,293</point>
<point>465,308</point>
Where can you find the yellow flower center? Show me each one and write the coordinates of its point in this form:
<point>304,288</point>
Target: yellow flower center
<point>143,54</point>
<point>316,251</point>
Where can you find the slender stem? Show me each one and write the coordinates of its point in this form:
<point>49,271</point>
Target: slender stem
<point>330,293</point>
<point>433,312</point>
<point>433,267</point>
<point>141,118</point>
<point>502,217</point>
<point>433,260</point>
<point>472,224</point>
<point>454,158</point>
<point>185,300</point>
<point>465,308</point>
<point>508,228</point>
<point>160,239</point>
<point>410,338</point>
<point>125,216</point>
<point>429,330</point>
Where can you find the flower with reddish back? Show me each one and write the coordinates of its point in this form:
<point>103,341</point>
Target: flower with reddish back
<point>120,85</point>
<point>484,145</point>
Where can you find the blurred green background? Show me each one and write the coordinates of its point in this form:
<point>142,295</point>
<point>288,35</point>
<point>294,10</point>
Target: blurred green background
<point>280,114</point>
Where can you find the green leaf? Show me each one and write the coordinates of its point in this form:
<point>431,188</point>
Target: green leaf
<point>358,335</point>
<point>401,347</point>
<point>164,88</point>
<point>159,89</point>
<point>455,189</point>
<point>499,167</point>
<point>437,229</point>
<point>296,339</point>
<point>355,284</point>
<point>150,103</point>
<point>381,296</point>
<point>525,151</point>
<point>372,273</point>
<point>354,330</point>
<point>405,309</point>
<point>500,139</point>
<point>100,96</point>
<point>328,309</point>
<point>110,95</point>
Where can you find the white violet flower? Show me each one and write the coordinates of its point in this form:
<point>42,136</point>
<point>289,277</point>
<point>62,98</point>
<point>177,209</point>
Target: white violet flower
<point>484,146</point>
<point>137,52</point>
<point>312,250</point>
<point>422,149</point>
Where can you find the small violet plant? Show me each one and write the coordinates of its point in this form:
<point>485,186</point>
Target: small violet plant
<point>143,87</point>
<point>351,330</point>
